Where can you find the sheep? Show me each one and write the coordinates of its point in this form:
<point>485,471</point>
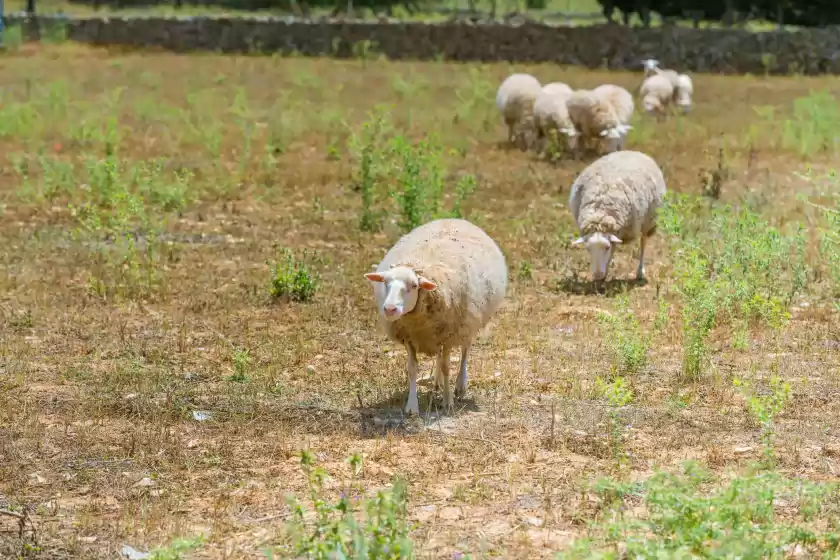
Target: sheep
<point>683,86</point>
<point>614,200</point>
<point>595,117</point>
<point>435,289</point>
<point>652,68</point>
<point>558,88</point>
<point>622,102</point>
<point>515,99</point>
<point>551,117</point>
<point>657,92</point>
<point>684,92</point>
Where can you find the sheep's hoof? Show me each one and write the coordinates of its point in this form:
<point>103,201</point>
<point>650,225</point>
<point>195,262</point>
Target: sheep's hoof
<point>412,408</point>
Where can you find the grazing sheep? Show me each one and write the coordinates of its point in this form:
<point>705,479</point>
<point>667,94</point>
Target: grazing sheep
<point>683,86</point>
<point>614,201</point>
<point>558,88</point>
<point>657,92</point>
<point>621,101</point>
<point>684,92</point>
<point>435,289</point>
<point>551,117</point>
<point>595,118</point>
<point>515,99</point>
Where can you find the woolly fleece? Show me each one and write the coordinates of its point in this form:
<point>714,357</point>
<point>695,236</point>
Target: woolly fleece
<point>659,89</point>
<point>618,194</point>
<point>471,276</point>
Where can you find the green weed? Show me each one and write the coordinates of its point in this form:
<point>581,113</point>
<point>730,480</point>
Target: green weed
<point>730,266</point>
<point>625,338</point>
<point>692,514</point>
<point>354,526</point>
<point>764,407</point>
<point>293,278</point>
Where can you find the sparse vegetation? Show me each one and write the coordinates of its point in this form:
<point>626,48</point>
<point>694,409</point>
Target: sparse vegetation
<point>183,308</point>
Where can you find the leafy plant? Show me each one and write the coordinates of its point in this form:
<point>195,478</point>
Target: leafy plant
<point>293,278</point>
<point>625,338</point>
<point>354,526</point>
<point>764,408</point>
<point>692,514</point>
<point>730,266</point>
<point>618,394</point>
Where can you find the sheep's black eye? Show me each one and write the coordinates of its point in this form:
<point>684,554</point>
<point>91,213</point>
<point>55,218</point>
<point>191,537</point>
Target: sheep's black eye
<point>412,287</point>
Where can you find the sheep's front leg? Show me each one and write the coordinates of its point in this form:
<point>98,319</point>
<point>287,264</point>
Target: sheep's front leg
<point>640,272</point>
<point>443,368</point>
<point>412,406</point>
<point>461,383</point>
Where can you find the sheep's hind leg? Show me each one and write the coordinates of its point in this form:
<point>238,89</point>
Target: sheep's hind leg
<point>412,406</point>
<point>443,369</point>
<point>461,383</point>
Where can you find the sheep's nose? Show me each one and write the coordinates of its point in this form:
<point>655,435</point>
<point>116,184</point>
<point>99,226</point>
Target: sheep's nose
<point>390,310</point>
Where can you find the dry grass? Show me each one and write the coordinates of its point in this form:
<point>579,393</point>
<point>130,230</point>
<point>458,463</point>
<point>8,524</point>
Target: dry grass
<point>106,352</point>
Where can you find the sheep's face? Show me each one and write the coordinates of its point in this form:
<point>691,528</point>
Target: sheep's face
<point>600,247</point>
<point>684,103</point>
<point>402,286</point>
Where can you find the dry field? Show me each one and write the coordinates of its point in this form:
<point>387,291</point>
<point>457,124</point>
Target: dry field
<point>154,393</point>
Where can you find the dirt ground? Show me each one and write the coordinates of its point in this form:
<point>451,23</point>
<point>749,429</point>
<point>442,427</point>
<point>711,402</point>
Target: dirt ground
<point>148,398</point>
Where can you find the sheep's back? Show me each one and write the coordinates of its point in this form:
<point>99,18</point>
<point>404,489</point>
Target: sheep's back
<point>512,84</point>
<point>589,113</point>
<point>471,274</point>
<point>657,85</point>
<point>619,99</point>
<point>618,193</point>
<point>550,111</point>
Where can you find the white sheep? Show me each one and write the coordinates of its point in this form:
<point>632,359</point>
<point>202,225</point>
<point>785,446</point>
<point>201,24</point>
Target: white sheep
<point>656,92</point>
<point>683,86</point>
<point>551,118</point>
<point>515,100</point>
<point>435,289</point>
<point>614,200</point>
<point>595,118</point>
<point>621,101</point>
<point>684,92</point>
<point>558,88</point>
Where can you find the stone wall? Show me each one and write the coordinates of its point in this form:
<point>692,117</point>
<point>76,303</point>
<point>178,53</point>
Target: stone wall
<point>732,51</point>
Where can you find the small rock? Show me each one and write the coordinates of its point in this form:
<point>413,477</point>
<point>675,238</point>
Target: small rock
<point>144,482</point>
<point>132,553</point>
<point>192,444</point>
<point>87,540</point>
<point>310,369</point>
<point>534,521</point>
<point>201,415</point>
<point>742,450</point>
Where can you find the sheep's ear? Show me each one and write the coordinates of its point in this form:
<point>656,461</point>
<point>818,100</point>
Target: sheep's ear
<point>614,239</point>
<point>426,284</point>
<point>375,277</point>
<point>578,241</point>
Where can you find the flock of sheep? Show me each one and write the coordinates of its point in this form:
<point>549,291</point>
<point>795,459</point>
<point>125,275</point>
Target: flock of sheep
<point>441,283</point>
<point>535,113</point>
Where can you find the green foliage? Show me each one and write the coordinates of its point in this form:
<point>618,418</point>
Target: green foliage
<point>692,514</point>
<point>764,408</point>
<point>618,394</point>
<point>293,277</point>
<point>810,129</point>
<point>408,176</point>
<point>626,339</point>
<point>730,266</point>
<point>241,364</point>
<point>354,526</point>
<point>177,550</point>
